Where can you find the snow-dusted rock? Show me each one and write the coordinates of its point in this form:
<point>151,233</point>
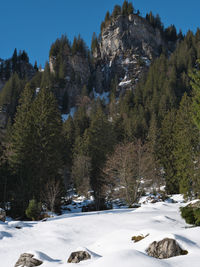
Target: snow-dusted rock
<point>78,256</point>
<point>27,260</point>
<point>165,248</point>
<point>2,215</point>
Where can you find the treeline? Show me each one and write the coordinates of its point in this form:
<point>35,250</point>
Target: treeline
<point>60,52</point>
<point>10,66</point>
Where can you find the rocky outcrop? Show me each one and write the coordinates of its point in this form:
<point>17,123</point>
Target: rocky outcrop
<point>128,45</point>
<point>123,52</point>
<point>2,215</point>
<point>78,256</point>
<point>165,248</point>
<point>27,260</point>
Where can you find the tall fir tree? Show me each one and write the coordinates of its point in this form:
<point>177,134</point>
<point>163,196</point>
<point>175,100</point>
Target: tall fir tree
<point>186,149</point>
<point>20,153</point>
<point>99,140</point>
<point>166,155</point>
<point>47,138</point>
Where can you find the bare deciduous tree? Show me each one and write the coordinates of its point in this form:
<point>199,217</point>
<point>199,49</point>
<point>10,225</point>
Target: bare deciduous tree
<point>52,194</point>
<point>81,174</point>
<point>128,168</point>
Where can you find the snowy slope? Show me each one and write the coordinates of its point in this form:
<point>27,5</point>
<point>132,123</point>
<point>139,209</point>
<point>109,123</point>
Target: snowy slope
<point>107,234</point>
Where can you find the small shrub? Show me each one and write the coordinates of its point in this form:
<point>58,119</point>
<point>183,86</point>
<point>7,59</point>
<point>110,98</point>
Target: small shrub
<point>138,238</point>
<point>33,210</point>
<point>184,252</point>
<point>197,216</point>
<point>188,214</point>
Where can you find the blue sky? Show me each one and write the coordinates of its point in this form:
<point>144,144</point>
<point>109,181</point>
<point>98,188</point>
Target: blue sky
<point>33,25</point>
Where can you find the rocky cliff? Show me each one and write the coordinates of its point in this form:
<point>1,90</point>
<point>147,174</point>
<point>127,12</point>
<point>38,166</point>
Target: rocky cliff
<point>127,47</point>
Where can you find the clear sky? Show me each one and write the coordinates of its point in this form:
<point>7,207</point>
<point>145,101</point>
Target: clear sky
<point>33,25</point>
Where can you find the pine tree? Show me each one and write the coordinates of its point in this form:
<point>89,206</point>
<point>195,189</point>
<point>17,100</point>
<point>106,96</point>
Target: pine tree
<point>94,43</point>
<point>14,61</point>
<point>107,18</point>
<point>10,94</point>
<point>186,148</point>
<point>20,158</point>
<point>116,11</point>
<point>98,141</point>
<point>130,9</point>
<point>81,121</point>
<point>196,97</point>
<point>69,139</point>
<point>47,138</point>
<point>166,153</point>
<point>35,66</point>
<point>125,8</point>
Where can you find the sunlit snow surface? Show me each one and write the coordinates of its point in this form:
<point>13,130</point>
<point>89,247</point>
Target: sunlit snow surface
<point>106,235</point>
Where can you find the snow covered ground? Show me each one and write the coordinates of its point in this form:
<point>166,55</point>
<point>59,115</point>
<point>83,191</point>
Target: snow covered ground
<point>107,235</point>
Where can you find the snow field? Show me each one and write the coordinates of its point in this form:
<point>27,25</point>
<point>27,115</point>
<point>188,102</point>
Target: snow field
<point>106,235</point>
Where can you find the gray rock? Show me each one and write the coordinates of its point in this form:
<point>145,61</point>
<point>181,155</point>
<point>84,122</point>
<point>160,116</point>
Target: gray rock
<point>78,256</point>
<point>165,248</point>
<point>2,215</point>
<point>27,260</point>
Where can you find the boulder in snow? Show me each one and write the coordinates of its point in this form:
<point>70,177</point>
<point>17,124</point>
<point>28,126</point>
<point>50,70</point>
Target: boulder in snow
<point>27,260</point>
<point>165,248</point>
<point>2,215</point>
<point>78,256</point>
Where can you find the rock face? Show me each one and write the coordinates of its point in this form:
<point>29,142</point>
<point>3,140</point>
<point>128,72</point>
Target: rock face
<point>27,260</point>
<point>2,215</point>
<point>126,49</point>
<point>164,249</point>
<point>78,256</point>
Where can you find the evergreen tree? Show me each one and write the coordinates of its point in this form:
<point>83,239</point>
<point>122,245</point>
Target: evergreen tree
<point>69,139</point>
<point>116,11</point>
<point>35,66</point>
<point>102,26</point>
<point>130,9</point>
<point>107,18</point>
<point>36,145</point>
<point>7,70</point>
<point>166,153</point>
<point>186,149</point>
<point>81,121</point>
<point>94,43</point>
<point>10,94</point>
<point>98,142</point>
<point>20,158</point>
<point>47,138</point>
<point>125,8</point>
<point>14,61</point>
<point>24,57</point>
<point>196,97</point>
